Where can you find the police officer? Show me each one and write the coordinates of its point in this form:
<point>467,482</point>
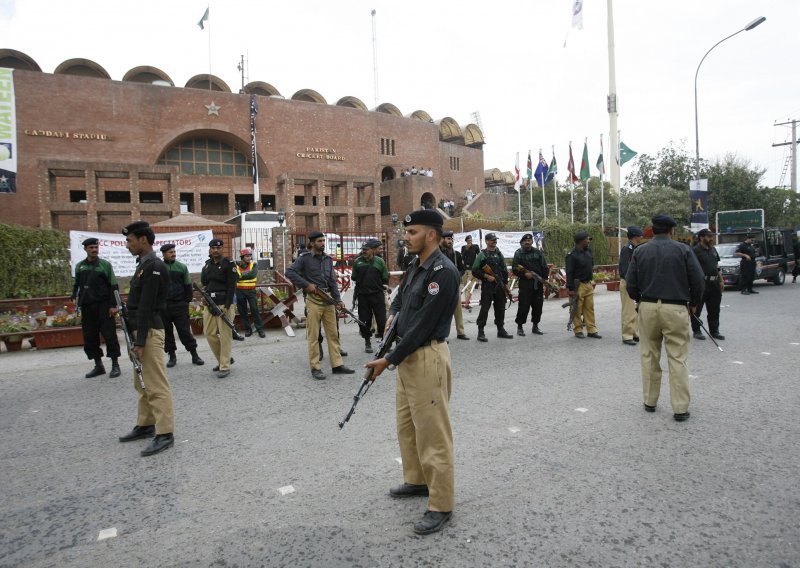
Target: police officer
<point>579,265</point>
<point>147,300</point>
<point>446,246</point>
<point>469,252</point>
<point>93,293</point>
<point>630,331</point>
<point>424,309</point>
<point>667,281</point>
<point>747,266</point>
<point>370,275</point>
<point>219,276</point>
<point>708,258</point>
<point>247,271</point>
<point>179,295</point>
<point>529,260</point>
<point>493,287</point>
<point>309,272</point>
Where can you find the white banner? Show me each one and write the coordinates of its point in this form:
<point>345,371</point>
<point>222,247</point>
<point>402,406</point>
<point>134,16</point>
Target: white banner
<point>8,133</point>
<point>460,239</point>
<point>192,249</point>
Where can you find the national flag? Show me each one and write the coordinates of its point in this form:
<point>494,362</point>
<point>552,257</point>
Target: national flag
<point>530,171</point>
<point>203,19</point>
<point>585,173</point>
<point>625,154</point>
<point>571,167</point>
<point>577,14</point>
<point>517,181</point>
<point>541,170</point>
<point>601,165</point>
<point>553,170</point>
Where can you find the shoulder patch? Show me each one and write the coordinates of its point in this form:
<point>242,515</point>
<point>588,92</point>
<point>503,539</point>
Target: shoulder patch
<point>438,267</point>
<point>156,272</point>
<point>433,288</point>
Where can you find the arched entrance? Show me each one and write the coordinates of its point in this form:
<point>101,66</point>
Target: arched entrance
<point>388,173</point>
<point>427,201</point>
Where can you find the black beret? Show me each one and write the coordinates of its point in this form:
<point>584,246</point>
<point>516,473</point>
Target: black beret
<point>634,232</point>
<point>168,246</point>
<point>314,235</point>
<point>136,227</point>
<point>371,244</point>
<point>468,238</point>
<point>664,221</point>
<point>526,237</point>
<point>581,236</point>
<point>490,237</point>
<point>427,217</point>
<point>215,243</point>
<point>447,233</point>
<point>90,241</point>
<point>704,233</point>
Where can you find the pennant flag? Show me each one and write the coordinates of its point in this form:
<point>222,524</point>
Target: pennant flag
<point>571,167</point>
<point>625,154</point>
<point>577,14</point>
<point>517,181</point>
<point>530,171</point>
<point>585,173</point>
<point>553,170</point>
<point>541,170</point>
<point>203,19</point>
<point>601,165</point>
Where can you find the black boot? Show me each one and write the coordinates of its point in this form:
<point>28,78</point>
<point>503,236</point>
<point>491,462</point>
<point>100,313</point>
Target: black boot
<point>172,359</point>
<point>196,360</point>
<point>115,372</point>
<point>503,334</point>
<point>520,331</point>
<point>481,335</point>
<point>367,346</point>
<point>98,369</point>
<point>536,330</point>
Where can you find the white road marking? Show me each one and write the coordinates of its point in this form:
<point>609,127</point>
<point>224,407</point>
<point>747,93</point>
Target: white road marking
<point>794,344</point>
<point>581,410</point>
<point>107,533</point>
<point>514,429</point>
<point>399,460</point>
<point>286,489</point>
<point>766,353</point>
<point>738,363</point>
<point>692,376</point>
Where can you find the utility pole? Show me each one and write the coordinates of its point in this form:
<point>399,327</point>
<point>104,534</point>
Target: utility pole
<point>793,142</point>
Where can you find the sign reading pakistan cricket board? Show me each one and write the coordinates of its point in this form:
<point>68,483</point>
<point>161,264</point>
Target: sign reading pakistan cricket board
<point>8,133</point>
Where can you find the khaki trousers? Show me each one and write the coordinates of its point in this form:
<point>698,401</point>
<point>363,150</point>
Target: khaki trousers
<point>586,308</point>
<point>630,327</point>
<point>459,317</point>
<point>669,322</point>
<point>155,401</point>
<point>324,315</point>
<point>219,336</point>
<point>424,380</point>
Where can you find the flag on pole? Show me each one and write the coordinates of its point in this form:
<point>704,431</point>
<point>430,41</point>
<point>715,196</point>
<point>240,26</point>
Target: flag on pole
<point>625,154</point>
<point>530,171</point>
<point>585,173</point>
<point>601,165</point>
<point>203,19</point>
<point>541,170</point>
<point>253,153</point>
<point>553,169</point>
<point>571,167</point>
<point>577,14</point>
<point>517,181</point>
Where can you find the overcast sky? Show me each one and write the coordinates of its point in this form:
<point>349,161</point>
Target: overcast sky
<point>504,59</point>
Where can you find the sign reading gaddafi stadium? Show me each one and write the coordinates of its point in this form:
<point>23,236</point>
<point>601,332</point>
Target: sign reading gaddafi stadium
<point>320,154</point>
<point>8,133</point>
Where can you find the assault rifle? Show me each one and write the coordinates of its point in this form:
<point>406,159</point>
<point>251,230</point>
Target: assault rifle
<point>125,323</point>
<point>328,299</point>
<point>383,348</point>
<point>487,268</point>
<point>573,303</point>
<point>215,310</point>
<point>537,277</point>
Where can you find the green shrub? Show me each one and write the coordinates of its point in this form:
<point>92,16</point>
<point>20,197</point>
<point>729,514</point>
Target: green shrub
<point>34,262</point>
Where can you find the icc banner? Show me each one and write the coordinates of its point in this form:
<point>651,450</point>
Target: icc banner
<point>8,133</point>
<point>698,193</point>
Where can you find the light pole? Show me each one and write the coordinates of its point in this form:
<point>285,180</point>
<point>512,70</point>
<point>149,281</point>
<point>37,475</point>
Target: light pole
<point>281,219</point>
<point>757,22</point>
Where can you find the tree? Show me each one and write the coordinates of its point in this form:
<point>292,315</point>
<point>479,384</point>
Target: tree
<point>671,167</point>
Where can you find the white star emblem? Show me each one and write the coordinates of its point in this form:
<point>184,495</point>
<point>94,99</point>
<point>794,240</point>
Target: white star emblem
<point>3,179</point>
<point>213,108</point>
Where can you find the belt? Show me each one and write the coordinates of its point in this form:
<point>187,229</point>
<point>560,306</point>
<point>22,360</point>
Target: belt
<point>657,300</point>
<point>586,281</point>
<point>427,343</point>
<point>711,278</point>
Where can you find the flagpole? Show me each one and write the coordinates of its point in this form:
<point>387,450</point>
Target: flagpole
<point>555,182</point>
<point>602,212</point>
<point>612,100</point>
<point>209,45</point>
<point>531,198</point>
<point>541,178</point>
<point>586,145</point>
<point>619,201</point>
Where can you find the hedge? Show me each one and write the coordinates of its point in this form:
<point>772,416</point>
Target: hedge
<point>34,262</point>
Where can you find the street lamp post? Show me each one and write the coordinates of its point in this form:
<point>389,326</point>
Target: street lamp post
<point>281,219</point>
<point>757,22</point>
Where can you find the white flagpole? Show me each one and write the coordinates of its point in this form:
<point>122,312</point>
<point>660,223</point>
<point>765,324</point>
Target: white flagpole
<point>518,187</point>
<point>531,197</point>
<point>603,164</point>
<point>208,22</point>
<point>619,201</point>
<point>541,178</point>
<point>555,183</point>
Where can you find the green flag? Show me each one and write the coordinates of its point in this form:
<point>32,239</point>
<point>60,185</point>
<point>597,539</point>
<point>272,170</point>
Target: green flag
<point>625,154</point>
<point>585,174</point>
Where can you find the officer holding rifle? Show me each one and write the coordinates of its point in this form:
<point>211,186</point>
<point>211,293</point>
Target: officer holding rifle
<point>219,277</point>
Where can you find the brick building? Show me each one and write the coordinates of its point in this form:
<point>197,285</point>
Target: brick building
<point>95,153</point>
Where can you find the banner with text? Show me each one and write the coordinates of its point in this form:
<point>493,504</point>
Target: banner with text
<point>192,249</point>
<point>8,133</point>
<point>698,193</point>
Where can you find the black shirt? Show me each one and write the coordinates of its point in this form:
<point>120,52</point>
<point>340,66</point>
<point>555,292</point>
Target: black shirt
<point>579,266</point>
<point>748,250</point>
<point>663,269</point>
<point>424,305</point>
<point>468,254</point>
<point>456,258</point>
<point>148,296</point>
<point>314,269</point>
<point>708,259</point>
<point>220,279</point>
<point>625,259</point>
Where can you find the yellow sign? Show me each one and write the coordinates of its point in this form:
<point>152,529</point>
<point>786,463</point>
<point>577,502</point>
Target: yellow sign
<point>320,154</point>
<point>66,134</point>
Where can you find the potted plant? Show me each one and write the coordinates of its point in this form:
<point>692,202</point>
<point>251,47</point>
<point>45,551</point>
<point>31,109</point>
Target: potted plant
<point>196,310</point>
<point>13,327</point>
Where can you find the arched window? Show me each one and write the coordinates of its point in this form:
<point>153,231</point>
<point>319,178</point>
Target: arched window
<point>207,157</point>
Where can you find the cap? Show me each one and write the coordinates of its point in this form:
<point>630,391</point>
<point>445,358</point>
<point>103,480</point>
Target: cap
<point>704,233</point>
<point>526,237</point>
<point>215,243</point>
<point>490,237</point>
<point>136,227</point>
<point>468,238</point>
<point>447,233</point>
<point>314,235</point>
<point>427,217</point>
<point>371,244</point>
<point>245,251</point>
<point>168,246</point>
<point>581,236</point>
<point>634,232</point>
<point>664,221</point>
<point>90,241</point>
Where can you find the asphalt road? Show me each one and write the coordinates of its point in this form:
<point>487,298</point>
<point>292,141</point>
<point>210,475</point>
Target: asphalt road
<point>557,464</point>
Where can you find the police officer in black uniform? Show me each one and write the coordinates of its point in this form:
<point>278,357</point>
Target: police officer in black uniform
<point>492,287</point>
<point>529,260</point>
<point>219,277</point>
<point>147,300</point>
<point>708,258</point>
<point>747,266</point>
<point>447,249</point>
<point>579,265</point>
<point>469,253</point>
<point>630,331</point>
<point>177,313</point>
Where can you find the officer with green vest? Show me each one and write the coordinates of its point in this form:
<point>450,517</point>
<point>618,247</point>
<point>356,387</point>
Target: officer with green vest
<point>179,295</point>
<point>246,293</point>
<point>529,260</point>
<point>370,275</point>
<point>93,293</point>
